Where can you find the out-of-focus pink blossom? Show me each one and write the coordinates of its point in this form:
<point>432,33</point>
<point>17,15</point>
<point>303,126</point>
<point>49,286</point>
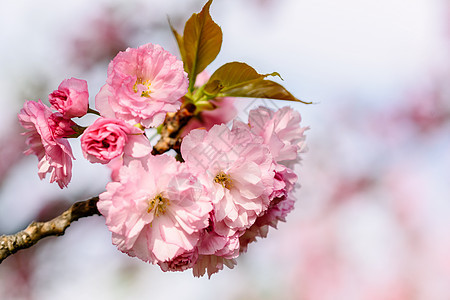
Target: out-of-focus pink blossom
<point>240,175</point>
<point>101,36</point>
<point>202,78</point>
<point>12,145</point>
<point>71,98</point>
<point>45,138</point>
<point>107,139</point>
<point>143,85</point>
<point>156,212</point>
<point>281,131</point>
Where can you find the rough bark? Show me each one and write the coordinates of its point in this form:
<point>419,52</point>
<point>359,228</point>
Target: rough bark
<point>10,244</point>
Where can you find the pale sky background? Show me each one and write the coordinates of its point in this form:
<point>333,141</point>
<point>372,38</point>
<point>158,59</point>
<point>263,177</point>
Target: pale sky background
<point>364,52</point>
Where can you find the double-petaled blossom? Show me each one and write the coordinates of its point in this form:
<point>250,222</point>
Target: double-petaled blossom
<point>143,85</point>
<point>46,132</point>
<point>239,171</point>
<point>249,189</point>
<point>107,139</point>
<point>156,211</point>
<point>71,98</point>
<point>281,131</point>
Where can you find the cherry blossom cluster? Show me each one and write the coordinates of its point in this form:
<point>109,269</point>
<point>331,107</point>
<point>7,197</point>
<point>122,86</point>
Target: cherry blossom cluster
<point>200,212</point>
<point>201,208</point>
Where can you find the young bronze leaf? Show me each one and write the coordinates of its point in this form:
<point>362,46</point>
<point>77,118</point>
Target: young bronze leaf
<point>239,78</point>
<point>180,43</point>
<point>230,75</point>
<point>261,89</point>
<point>202,42</point>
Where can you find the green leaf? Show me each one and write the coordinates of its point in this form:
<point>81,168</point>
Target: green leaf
<point>238,79</point>
<point>202,40</point>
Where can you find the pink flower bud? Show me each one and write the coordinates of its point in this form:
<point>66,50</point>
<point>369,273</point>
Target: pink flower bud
<point>110,138</point>
<point>71,98</point>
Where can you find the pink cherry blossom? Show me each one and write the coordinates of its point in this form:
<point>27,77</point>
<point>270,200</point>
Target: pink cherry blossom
<point>71,98</point>
<point>143,85</point>
<point>156,212</point>
<point>45,138</point>
<point>239,171</point>
<point>107,139</point>
<point>281,131</point>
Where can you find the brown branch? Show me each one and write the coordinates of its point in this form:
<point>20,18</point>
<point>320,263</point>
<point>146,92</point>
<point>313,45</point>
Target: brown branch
<point>10,244</point>
<point>172,129</point>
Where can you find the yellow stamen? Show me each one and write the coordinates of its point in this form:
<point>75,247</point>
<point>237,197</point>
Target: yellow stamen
<point>224,179</point>
<point>146,83</point>
<point>158,205</point>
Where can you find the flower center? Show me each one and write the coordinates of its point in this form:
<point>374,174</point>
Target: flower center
<point>158,205</point>
<point>224,179</point>
<point>143,87</point>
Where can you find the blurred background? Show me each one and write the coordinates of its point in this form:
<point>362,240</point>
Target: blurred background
<point>372,218</point>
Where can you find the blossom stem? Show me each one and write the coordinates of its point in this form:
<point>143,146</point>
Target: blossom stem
<point>10,244</point>
<point>93,111</point>
<point>172,129</point>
